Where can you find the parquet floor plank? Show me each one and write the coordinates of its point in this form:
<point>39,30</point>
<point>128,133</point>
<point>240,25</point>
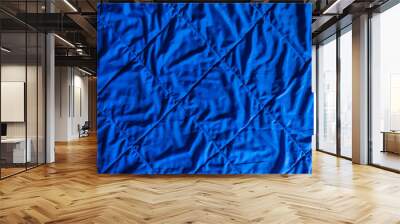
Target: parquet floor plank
<point>71,191</point>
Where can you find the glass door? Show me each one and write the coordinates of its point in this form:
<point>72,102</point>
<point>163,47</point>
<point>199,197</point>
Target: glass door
<point>326,60</point>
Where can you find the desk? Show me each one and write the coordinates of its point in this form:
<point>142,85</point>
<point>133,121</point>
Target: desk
<point>14,150</point>
<point>391,141</point>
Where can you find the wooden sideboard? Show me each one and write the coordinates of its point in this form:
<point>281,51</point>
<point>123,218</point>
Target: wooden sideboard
<point>391,141</point>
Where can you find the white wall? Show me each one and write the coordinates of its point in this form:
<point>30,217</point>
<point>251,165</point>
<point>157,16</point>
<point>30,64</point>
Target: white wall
<point>62,82</point>
<point>71,102</point>
<point>79,117</point>
<point>16,72</point>
<point>33,127</point>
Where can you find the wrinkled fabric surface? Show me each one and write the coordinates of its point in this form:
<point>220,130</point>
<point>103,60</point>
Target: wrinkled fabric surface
<point>204,88</point>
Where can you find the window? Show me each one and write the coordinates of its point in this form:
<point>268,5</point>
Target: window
<point>385,89</point>
<point>327,96</point>
<point>346,93</point>
<point>334,137</point>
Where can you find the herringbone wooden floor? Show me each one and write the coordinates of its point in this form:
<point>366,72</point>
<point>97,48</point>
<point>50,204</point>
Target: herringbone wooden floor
<point>70,191</point>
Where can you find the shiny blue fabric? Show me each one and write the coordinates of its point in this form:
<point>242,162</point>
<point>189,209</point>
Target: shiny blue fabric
<point>204,88</point>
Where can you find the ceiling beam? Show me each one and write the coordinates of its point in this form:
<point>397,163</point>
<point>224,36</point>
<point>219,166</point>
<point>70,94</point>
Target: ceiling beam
<point>81,61</point>
<point>86,26</point>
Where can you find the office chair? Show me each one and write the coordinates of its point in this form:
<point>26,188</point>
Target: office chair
<point>84,130</point>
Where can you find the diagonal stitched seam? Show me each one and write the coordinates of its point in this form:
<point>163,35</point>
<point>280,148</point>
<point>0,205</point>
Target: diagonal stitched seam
<point>165,95</point>
<point>210,46</point>
<point>193,86</point>
<point>168,93</point>
<point>107,24</point>
<point>271,113</point>
<point>231,139</point>
<point>279,121</point>
<point>130,63</point>
<point>173,15</point>
<point>127,66</point>
<point>173,98</point>
<point>130,145</point>
<point>220,150</point>
<point>282,36</point>
<point>204,39</point>
<point>204,77</point>
<point>303,151</point>
<point>234,70</point>
<point>137,60</point>
<point>236,73</point>
<point>173,107</point>
<point>299,159</point>
<point>215,144</point>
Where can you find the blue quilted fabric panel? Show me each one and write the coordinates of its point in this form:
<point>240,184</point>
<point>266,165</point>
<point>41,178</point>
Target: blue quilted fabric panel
<point>204,88</point>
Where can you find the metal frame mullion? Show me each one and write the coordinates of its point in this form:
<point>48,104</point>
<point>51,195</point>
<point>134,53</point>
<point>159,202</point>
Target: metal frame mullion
<point>26,86</point>
<point>369,100</point>
<point>338,92</point>
<point>45,87</point>
<point>37,90</point>
<point>317,96</point>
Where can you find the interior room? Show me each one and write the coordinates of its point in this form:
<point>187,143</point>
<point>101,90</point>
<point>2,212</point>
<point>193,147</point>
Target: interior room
<point>71,99</point>
<point>22,102</point>
<point>53,127</point>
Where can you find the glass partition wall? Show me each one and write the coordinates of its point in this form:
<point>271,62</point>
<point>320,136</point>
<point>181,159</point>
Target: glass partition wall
<point>22,78</point>
<point>385,89</point>
<point>334,90</point>
<point>334,93</point>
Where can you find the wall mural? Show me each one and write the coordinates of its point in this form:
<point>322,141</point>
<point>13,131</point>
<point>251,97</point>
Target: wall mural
<point>204,88</point>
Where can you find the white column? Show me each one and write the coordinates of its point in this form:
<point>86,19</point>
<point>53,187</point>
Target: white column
<point>50,100</point>
<point>360,90</point>
<point>314,88</point>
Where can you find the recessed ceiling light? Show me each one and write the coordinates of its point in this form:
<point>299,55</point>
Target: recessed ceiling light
<point>70,5</point>
<point>337,7</point>
<point>84,71</point>
<point>5,50</point>
<point>65,41</point>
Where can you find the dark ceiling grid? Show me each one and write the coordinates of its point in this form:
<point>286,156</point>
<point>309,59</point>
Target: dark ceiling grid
<point>78,24</point>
